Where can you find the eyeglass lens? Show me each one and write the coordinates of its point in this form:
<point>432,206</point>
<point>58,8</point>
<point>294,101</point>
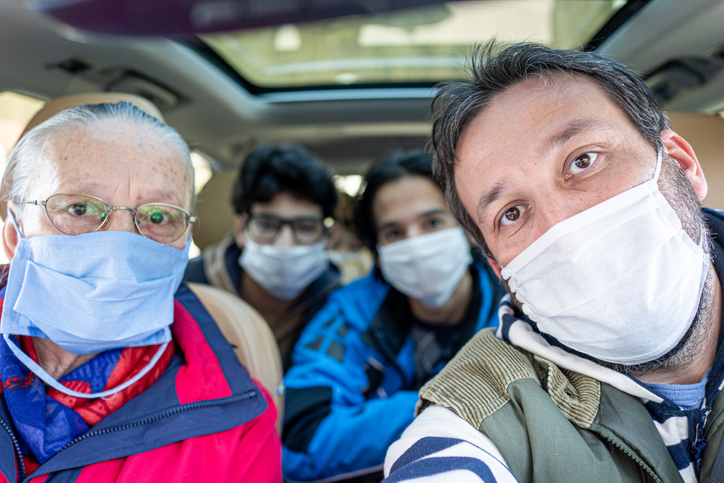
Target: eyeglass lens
<point>75,214</point>
<point>264,229</point>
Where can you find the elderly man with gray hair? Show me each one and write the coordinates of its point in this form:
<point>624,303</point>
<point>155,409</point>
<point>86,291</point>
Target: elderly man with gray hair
<point>111,369</point>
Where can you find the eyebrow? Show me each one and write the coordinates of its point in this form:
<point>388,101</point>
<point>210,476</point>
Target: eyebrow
<point>490,197</point>
<point>569,131</point>
<point>434,211</point>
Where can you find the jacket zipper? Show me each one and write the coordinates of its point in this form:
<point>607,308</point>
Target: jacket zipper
<point>628,451</point>
<point>165,414</point>
<point>140,422</point>
<point>16,446</point>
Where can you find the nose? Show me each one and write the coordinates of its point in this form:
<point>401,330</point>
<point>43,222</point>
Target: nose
<point>285,237</point>
<point>120,219</point>
<point>413,231</point>
<point>556,207</point>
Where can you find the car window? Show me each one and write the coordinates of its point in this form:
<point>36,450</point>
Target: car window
<point>417,46</point>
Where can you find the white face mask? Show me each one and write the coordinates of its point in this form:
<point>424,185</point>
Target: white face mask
<point>283,271</point>
<point>428,267</point>
<point>620,281</point>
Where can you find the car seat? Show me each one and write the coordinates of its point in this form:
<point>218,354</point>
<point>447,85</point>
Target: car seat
<point>251,338</point>
<point>242,326</point>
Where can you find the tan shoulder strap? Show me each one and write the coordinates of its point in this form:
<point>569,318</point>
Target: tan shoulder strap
<point>249,336</point>
<point>215,265</point>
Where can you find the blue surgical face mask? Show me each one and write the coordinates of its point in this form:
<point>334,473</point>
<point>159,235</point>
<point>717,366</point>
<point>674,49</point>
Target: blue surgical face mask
<point>93,292</point>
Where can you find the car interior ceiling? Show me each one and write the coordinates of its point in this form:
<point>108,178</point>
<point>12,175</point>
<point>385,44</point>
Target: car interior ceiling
<point>678,45</point>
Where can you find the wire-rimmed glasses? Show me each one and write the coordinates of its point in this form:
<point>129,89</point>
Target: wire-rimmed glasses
<point>77,214</point>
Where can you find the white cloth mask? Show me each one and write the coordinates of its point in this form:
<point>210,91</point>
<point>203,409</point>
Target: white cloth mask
<point>620,281</point>
<point>283,271</point>
<point>428,267</point>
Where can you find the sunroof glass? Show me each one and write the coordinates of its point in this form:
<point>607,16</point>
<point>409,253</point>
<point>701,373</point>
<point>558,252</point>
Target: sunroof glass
<point>418,46</point>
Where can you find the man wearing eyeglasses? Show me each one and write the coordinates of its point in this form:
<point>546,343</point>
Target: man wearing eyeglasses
<point>276,261</point>
<point>111,368</point>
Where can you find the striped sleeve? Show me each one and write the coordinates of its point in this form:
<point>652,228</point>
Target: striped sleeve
<point>439,447</point>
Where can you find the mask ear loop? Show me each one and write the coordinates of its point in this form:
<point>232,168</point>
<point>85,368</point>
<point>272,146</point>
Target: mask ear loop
<point>659,162</point>
<point>48,379</point>
<point>11,217</point>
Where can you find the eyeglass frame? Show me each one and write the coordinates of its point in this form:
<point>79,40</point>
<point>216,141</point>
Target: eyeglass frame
<point>289,221</point>
<point>133,211</point>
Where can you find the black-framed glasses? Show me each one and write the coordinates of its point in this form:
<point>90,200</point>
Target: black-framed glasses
<point>306,230</point>
<point>77,214</point>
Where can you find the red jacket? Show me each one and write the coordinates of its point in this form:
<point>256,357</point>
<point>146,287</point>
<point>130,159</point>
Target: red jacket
<point>205,419</point>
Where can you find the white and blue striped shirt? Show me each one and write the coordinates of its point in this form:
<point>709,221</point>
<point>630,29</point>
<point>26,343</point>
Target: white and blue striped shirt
<point>457,452</point>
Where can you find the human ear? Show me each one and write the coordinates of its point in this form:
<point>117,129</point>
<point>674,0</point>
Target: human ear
<point>333,236</point>
<point>239,222</point>
<point>683,153</point>
<point>496,267</point>
<point>10,234</point>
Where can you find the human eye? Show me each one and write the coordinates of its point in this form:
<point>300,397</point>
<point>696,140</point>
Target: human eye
<point>434,223</point>
<point>84,208</point>
<point>159,215</point>
<point>163,223</point>
<point>391,234</point>
<point>266,224</point>
<point>512,214</point>
<point>581,163</point>
<point>75,214</point>
<point>308,226</point>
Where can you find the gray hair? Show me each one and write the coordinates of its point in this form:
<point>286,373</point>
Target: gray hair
<point>494,70</point>
<point>24,161</point>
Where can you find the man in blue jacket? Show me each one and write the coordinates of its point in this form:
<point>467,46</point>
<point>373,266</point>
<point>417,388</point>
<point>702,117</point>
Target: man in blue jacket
<point>358,365</point>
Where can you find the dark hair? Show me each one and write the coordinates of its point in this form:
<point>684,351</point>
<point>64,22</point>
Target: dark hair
<point>270,170</point>
<point>399,165</point>
<point>493,71</point>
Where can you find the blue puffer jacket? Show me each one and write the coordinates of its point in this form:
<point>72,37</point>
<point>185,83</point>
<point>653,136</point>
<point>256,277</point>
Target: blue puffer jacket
<point>351,390</point>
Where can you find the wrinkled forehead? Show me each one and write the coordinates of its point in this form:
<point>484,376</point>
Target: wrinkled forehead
<point>112,155</point>
<point>525,120</point>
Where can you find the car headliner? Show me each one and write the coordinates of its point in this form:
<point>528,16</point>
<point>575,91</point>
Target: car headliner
<point>347,128</point>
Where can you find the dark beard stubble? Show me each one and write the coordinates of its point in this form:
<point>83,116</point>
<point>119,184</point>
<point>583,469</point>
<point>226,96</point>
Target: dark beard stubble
<point>679,192</point>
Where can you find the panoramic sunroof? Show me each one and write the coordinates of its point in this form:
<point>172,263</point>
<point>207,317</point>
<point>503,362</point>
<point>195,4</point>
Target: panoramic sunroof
<point>422,46</point>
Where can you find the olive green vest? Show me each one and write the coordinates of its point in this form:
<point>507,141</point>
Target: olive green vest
<point>555,425</point>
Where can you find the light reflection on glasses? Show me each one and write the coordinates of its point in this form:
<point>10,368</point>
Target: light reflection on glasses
<point>77,214</point>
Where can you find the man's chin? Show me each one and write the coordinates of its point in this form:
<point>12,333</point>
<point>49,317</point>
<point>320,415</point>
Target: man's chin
<point>683,353</point>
